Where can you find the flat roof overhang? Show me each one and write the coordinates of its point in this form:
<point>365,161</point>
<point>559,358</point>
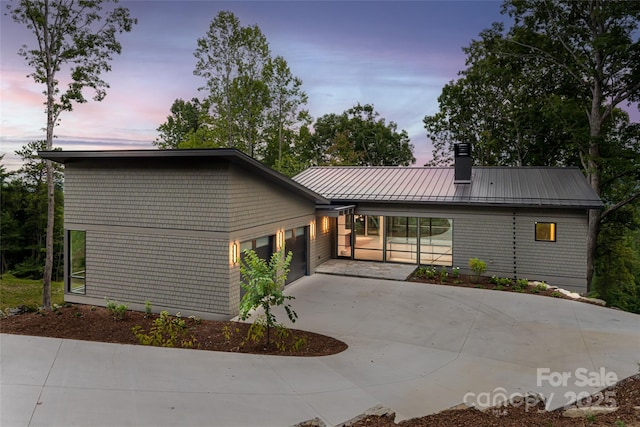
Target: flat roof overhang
<point>101,158</point>
<point>335,211</point>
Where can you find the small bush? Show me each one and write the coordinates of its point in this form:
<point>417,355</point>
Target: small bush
<point>147,308</point>
<point>119,311</point>
<point>455,272</point>
<point>166,331</point>
<point>428,273</point>
<point>443,275</point>
<point>477,267</point>
<point>28,270</point>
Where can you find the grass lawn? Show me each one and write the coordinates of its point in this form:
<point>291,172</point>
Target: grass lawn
<point>15,292</point>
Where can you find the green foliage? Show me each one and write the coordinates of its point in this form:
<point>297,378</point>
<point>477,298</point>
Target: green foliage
<point>74,42</point>
<point>477,267</point>
<point>358,137</point>
<point>263,284</point>
<point>428,273</point>
<point>502,281</point>
<point>147,308</point>
<point>455,272</point>
<point>444,275</point>
<point>167,331</point>
<point>187,118</point>
<point>23,218</point>
<point>15,292</point>
<point>119,311</point>
<point>523,97</point>
<point>556,294</point>
<point>617,280</point>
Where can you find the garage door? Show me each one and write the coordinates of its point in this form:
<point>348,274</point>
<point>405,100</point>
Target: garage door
<point>263,247</point>
<point>296,242</point>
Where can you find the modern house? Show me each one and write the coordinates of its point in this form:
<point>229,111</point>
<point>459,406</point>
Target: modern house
<point>170,227</point>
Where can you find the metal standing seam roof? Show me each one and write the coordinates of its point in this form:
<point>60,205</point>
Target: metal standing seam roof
<point>502,186</point>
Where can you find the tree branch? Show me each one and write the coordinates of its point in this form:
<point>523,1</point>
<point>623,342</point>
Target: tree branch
<point>619,205</point>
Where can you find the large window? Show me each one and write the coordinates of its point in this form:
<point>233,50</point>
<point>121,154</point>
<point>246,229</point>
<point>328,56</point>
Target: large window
<point>402,239</point>
<point>436,241</point>
<point>77,262</point>
<point>546,231</point>
<point>369,237</point>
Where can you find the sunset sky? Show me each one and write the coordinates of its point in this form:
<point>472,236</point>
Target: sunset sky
<point>395,55</point>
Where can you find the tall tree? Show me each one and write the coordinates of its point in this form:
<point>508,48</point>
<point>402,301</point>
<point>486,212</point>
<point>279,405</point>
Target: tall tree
<point>232,60</point>
<point>595,43</point>
<point>187,117</point>
<point>360,137</point>
<point>572,64</point>
<point>286,112</point>
<point>75,40</point>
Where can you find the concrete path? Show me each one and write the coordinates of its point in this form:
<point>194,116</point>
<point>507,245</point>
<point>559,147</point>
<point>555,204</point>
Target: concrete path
<point>366,269</point>
<point>413,347</point>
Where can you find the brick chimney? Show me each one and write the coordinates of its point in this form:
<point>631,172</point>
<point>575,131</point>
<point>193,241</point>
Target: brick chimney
<point>462,159</point>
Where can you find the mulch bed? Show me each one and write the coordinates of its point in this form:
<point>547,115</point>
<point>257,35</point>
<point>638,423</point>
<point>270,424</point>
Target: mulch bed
<point>626,395</point>
<point>90,323</point>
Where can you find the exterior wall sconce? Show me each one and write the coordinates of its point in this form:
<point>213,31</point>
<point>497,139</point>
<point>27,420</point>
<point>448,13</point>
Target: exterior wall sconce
<point>325,225</point>
<point>280,239</point>
<point>312,230</point>
<point>234,253</point>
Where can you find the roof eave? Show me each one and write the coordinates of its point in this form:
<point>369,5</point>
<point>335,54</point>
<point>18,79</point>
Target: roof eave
<point>230,154</point>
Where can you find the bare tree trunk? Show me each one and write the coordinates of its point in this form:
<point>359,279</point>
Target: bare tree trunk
<point>593,173</point>
<point>48,262</point>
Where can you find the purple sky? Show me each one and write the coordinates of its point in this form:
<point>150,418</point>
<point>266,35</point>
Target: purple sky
<point>396,55</point>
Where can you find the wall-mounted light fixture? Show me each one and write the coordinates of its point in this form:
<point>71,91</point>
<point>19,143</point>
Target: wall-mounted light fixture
<point>312,229</point>
<point>279,239</point>
<point>325,224</point>
<point>234,253</point>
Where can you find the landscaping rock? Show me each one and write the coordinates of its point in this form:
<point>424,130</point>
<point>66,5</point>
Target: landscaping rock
<point>314,422</point>
<point>587,411</point>
<point>375,411</point>
<point>594,301</point>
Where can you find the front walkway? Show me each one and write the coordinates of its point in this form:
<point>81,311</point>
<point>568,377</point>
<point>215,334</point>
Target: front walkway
<point>367,269</point>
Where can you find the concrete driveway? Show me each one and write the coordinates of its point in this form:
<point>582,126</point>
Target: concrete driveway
<point>413,347</point>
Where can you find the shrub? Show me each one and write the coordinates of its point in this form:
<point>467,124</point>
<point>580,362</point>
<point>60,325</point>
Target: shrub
<point>166,331</point>
<point>147,308</point>
<point>443,275</point>
<point>428,273</point>
<point>477,267</point>
<point>119,311</point>
<point>455,272</point>
<point>28,270</point>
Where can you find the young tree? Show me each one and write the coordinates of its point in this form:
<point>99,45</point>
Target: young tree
<point>75,40</point>
<point>263,283</point>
